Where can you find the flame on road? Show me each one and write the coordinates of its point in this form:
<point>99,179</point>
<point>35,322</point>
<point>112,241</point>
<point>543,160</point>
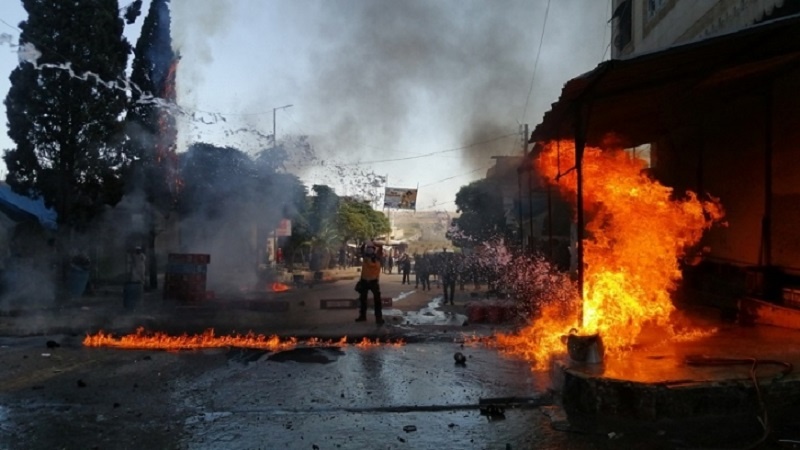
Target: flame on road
<point>142,340</point>
<point>637,230</point>
<point>279,287</point>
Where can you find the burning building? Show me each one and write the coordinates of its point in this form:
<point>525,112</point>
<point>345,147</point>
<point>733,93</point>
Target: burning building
<point>705,128</point>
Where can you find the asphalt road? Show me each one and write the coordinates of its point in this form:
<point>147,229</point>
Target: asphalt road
<point>56,393</point>
<point>410,396</point>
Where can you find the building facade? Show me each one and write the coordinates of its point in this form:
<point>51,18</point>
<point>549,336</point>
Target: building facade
<point>645,26</point>
<point>711,88</point>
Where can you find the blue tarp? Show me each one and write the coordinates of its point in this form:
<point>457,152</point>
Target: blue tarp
<point>20,208</point>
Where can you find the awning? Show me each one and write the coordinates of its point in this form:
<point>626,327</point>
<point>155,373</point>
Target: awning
<point>641,97</point>
<point>20,208</point>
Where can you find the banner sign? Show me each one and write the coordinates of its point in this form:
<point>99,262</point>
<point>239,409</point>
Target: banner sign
<point>284,229</point>
<point>400,198</point>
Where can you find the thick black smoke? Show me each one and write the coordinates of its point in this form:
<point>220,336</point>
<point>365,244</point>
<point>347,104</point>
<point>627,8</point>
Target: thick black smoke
<point>380,62</point>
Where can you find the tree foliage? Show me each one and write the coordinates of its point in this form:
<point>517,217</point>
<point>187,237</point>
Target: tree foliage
<point>64,116</point>
<point>230,203</point>
<point>482,216</point>
<point>358,221</point>
<point>151,126</point>
<point>323,207</point>
<point>224,181</point>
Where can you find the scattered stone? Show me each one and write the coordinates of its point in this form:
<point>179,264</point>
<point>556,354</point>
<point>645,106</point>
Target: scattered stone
<point>401,439</point>
<point>53,344</point>
<point>460,358</point>
<point>493,412</point>
<point>81,383</point>
<point>409,428</point>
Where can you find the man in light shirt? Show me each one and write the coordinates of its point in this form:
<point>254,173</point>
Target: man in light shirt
<point>371,257</point>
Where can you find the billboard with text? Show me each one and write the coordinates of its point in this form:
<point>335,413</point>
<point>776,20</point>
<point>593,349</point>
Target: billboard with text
<point>400,198</point>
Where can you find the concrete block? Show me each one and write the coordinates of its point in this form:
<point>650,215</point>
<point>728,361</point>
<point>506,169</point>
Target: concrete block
<point>350,303</point>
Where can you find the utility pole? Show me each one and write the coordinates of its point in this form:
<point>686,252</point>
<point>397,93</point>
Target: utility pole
<point>275,144</point>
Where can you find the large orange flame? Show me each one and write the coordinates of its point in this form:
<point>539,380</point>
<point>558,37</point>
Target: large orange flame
<point>636,233</point>
<point>141,340</point>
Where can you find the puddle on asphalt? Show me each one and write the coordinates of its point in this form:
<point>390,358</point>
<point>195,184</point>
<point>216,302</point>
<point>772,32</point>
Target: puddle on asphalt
<point>245,355</point>
<point>316,355</point>
<point>431,315</point>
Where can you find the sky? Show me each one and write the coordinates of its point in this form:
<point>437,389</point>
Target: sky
<point>422,92</point>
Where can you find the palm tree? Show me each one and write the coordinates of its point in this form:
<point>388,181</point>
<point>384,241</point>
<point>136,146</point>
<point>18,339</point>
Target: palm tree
<point>325,244</point>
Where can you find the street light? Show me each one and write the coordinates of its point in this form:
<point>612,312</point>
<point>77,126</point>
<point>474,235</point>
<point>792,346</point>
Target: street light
<point>275,136</point>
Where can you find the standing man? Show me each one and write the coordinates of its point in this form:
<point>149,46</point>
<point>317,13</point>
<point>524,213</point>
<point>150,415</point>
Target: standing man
<point>136,266</point>
<point>371,254</point>
<point>449,273</point>
<point>406,269</point>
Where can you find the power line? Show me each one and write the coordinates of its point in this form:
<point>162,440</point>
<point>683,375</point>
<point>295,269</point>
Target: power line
<point>431,153</point>
<point>455,176</point>
<point>536,62</point>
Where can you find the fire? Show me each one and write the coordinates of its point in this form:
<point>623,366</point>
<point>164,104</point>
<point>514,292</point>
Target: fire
<point>208,339</point>
<point>637,230</point>
<point>279,287</point>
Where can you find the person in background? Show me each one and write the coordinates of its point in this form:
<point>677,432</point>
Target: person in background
<point>391,264</point>
<point>405,266</point>
<point>371,255</point>
<point>423,269</point>
<point>136,266</point>
<point>449,273</point>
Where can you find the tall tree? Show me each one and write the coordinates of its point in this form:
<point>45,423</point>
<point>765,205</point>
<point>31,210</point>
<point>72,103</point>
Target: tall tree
<point>324,206</point>
<point>151,125</point>
<point>226,196</point>
<point>482,216</point>
<point>65,105</point>
<point>357,220</point>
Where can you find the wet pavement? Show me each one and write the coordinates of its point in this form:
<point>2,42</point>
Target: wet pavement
<point>411,396</point>
<point>416,395</point>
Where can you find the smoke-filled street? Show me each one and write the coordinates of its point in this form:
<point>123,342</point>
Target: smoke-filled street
<point>58,393</point>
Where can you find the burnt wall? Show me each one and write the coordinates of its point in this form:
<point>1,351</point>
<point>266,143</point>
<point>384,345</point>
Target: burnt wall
<point>786,173</point>
<point>734,139</point>
<point>719,152</point>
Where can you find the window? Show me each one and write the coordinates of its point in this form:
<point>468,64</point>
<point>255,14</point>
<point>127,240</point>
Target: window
<point>642,152</point>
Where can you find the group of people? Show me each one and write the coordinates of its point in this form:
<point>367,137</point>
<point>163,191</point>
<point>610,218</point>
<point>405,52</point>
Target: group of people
<point>446,268</point>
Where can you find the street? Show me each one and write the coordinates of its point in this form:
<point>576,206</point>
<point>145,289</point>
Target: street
<point>410,396</point>
<point>408,392</point>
